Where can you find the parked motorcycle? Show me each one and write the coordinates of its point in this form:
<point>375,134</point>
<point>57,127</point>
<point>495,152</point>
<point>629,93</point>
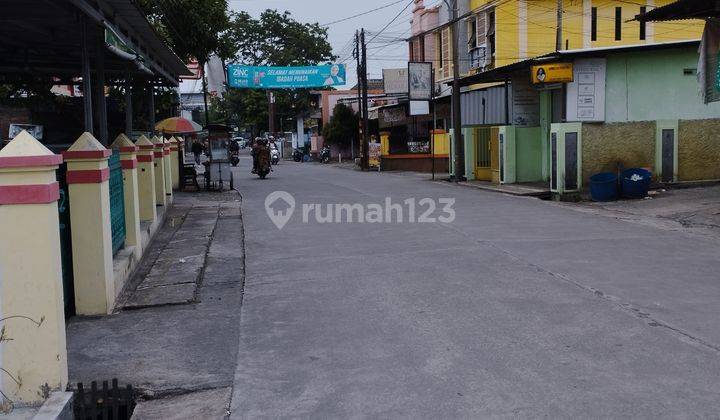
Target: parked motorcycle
<point>297,155</point>
<point>325,154</point>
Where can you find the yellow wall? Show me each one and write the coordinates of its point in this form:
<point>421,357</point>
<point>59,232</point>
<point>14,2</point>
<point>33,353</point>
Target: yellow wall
<point>529,31</point>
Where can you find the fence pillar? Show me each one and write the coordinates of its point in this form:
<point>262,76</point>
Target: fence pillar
<point>174,163</point>
<point>146,180</point>
<point>159,165</point>
<point>87,177</point>
<point>32,347</point>
<point>167,165</point>
<point>128,159</point>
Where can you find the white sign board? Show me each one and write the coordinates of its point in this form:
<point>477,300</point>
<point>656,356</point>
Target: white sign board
<point>586,94</point>
<point>419,108</point>
<point>395,80</point>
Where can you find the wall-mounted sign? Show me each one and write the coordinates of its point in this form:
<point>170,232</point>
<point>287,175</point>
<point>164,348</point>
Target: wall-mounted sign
<point>395,80</point>
<point>420,81</point>
<point>552,73</point>
<point>253,77</point>
<point>586,94</point>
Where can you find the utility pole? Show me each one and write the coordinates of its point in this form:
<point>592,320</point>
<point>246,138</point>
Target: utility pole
<point>559,34</point>
<point>458,145</point>
<point>205,93</point>
<point>271,112</point>
<point>365,147</point>
<point>356,54</point>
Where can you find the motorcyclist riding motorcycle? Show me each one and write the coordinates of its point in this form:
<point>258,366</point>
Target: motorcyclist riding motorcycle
<point>254,153</point>
<point>274,154</point>
<point>234,152</point>
<point>261,158</point>
<point>325,154</point>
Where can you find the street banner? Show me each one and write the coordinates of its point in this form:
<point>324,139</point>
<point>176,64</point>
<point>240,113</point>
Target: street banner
<point>420,81</point>
<point>264,77</point>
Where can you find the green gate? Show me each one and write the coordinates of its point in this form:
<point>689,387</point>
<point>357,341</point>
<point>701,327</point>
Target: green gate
<point>117,202</point>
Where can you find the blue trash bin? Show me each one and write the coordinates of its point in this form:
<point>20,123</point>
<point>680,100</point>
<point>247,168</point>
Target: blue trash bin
<point>603,187</point>
<point>636,182</point>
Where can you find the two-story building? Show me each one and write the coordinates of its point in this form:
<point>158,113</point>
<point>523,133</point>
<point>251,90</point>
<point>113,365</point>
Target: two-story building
<point>509,35</point>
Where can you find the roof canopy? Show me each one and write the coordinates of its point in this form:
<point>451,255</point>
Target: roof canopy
<point>44,38</point>
<point>682,9</point>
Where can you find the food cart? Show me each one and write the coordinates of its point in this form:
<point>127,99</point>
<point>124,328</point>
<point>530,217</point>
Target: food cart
<point>217,168</point>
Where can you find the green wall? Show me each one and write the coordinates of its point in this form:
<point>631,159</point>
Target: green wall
<point>651,85</point>
<point>528,154</point>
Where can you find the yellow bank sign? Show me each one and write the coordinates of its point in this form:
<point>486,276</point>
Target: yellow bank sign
<point>552,73</point>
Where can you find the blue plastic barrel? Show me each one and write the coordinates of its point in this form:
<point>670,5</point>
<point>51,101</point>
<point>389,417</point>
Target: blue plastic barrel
<point>636,182</point>
<point>603,187</point>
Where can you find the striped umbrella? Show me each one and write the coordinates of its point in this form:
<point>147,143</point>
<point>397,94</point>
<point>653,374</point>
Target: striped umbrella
<point>176,125</point>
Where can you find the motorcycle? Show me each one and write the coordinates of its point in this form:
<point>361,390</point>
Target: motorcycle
<point>263,164</point>
<point>234,157</point>
<point>297,155</point>
<point>274,156</point>
<point>325,155</point>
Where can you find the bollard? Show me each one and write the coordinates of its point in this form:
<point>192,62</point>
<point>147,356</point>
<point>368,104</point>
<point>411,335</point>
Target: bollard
<point>88,177</point>
<point>128,159</point>
<point>33,353</point>
<point>159,166</point>
<point>146,179</point>
<point>175,162</point>
<point>167,166</point>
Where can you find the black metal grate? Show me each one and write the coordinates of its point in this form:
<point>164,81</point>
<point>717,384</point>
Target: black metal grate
<point>106,403</point>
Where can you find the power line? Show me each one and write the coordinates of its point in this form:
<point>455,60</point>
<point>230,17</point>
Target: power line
<point>363,13</point>
<point>391,21</point>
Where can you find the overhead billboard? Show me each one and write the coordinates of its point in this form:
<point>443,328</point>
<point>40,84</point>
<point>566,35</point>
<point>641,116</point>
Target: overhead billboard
<point>265,77</point>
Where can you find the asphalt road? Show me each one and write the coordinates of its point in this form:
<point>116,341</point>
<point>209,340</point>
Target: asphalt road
<point>519,308</point>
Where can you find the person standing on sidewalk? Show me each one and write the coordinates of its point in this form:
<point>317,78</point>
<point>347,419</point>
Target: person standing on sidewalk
<point>197,150</point>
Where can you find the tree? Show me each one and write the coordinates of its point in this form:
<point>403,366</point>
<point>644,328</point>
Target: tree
<point>274,39</point>
<point>194,29</point>
<point>341,130</point>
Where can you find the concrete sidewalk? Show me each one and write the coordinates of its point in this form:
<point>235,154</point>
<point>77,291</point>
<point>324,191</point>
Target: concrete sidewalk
<point>179,349</point>
<point>692,210</point>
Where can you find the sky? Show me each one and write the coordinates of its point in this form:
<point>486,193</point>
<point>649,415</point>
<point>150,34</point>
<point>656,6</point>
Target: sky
<point>385,51</point>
